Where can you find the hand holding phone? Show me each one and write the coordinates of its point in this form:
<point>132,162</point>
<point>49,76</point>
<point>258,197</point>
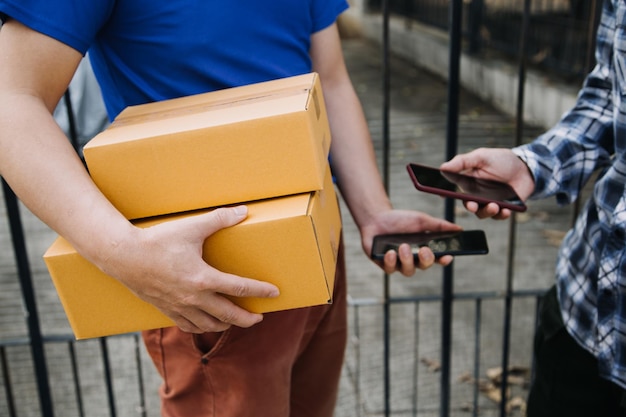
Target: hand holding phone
<point>464,187</point>
<point>466,242</point>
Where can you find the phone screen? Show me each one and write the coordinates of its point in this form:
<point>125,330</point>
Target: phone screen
<point>466,242</point>
<point>465,187</point>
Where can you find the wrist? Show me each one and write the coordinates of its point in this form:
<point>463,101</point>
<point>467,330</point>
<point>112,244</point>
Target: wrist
<point>110,241</point>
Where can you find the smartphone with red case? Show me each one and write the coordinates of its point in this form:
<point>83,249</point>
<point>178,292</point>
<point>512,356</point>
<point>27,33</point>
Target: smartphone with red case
<point>464,187</point>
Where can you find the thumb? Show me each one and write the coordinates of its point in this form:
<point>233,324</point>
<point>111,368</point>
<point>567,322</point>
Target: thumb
<point>228,216</point>
<point>463,162</point>
<point>456,164</point>
<point>209,223</point>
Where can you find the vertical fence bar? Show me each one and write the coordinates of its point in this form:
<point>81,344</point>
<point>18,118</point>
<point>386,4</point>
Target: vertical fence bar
<point>71,120</point>
<point>477,328</point>
<point>107,376</point>
<point>8,387</point>
<point>452,117</point>
<point>28,295</point>
<point>385,145</point>
<point>519,130</point>
<point>475,23</point>
<point>76,378</point>
<point>386,82</point>
<point>455,15</point>
<point>416,340</point>
<point>357,360</point>
<point>537,312</point>
<point>142,392</point>
<point>595,12</point>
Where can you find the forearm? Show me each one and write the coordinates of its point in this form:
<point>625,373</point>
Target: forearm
<point>353,157</point>
<point>38,162</point>
<point>354,162</point>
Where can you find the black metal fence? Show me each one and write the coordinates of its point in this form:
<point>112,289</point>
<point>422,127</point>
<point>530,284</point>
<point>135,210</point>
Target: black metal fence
<point>415,366</point>
<point>57,376</point>
<point>112,376</point>
<point>86,378</point>
<point>558,36</point>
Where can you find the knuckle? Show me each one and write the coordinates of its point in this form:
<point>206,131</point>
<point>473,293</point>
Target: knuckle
<point>221,215</point>
<point>241,290</point>
<point>188,327</point>
<point>228,317</point>
<point>214,325</point>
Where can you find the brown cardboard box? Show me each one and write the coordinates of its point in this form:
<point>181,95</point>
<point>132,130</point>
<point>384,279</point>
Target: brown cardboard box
<point>291,241</point>
<point>239,144</point>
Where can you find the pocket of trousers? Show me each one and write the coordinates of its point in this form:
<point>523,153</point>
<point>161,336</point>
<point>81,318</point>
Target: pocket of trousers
<point>209,344</point>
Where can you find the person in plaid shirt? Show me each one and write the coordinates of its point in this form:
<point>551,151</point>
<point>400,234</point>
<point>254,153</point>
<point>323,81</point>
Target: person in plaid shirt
<point>580,345</point>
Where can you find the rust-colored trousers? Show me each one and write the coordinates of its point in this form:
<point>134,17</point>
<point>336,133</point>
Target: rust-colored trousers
<point>286,366</point>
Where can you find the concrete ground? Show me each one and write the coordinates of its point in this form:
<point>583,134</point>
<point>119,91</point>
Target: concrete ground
<point>417,133</point>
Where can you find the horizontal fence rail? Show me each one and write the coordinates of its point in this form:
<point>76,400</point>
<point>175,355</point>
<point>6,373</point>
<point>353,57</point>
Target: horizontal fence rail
<point>99,377</point>
<point>106,377</point>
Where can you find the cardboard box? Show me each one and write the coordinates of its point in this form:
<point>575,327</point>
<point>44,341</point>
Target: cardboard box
<point>290,241</point>
<point>239,144</point>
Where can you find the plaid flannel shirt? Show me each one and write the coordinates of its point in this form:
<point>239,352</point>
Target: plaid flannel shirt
<point>591,267</point>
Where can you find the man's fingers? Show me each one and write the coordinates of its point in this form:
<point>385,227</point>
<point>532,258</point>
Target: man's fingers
<point>434,224</point>
<point>213,313</point>
<point>205,323</point>
<point>445,260</point>
<point>493,210</point>
<point>406,260</point>
<point>237,286</point>
<point>198,321</point>
<point>390,262</point>
<point>204,225</point>
<point>399,261</point>
<point>222,314</point>
<point>228,216</point>
<point>426,258</point>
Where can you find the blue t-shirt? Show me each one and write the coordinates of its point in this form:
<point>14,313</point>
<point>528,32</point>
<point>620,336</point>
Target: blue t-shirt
<point>144,51</point>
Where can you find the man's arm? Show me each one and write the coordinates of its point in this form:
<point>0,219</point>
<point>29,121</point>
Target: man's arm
<point>354,161</point>
<point>162,264</point>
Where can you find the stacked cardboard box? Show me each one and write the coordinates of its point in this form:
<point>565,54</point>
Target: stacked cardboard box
<point>265,145</point>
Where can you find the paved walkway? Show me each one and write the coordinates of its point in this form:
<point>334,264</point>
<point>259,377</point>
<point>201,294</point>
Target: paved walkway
<point>418,114</point>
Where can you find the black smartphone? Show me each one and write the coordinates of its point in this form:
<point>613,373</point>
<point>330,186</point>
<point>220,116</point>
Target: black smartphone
<point>464,187</point>
<point>465,242</point>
